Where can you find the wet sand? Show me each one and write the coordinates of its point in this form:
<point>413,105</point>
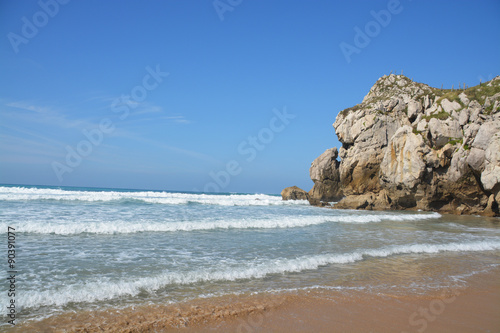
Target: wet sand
<point>475,308</point>
<point>467,312</point>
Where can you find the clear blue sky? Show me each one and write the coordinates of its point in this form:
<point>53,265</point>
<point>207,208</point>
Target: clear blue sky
<point>66,69</point>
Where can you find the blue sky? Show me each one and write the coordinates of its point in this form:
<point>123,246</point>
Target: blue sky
<point>252,88</point>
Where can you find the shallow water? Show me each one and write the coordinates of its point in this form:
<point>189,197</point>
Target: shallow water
<point>81,248</point>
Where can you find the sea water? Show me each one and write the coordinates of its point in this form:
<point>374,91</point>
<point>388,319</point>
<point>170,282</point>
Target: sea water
<point>86,248</point>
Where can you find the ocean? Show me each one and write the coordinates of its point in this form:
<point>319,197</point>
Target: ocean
<point>80,249</point>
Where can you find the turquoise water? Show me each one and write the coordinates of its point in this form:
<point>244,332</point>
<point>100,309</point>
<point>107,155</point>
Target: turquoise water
<point>85,248</point>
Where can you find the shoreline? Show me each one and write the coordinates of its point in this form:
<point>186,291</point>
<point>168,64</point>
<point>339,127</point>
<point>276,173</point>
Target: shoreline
<point>475,308</point>
<point>453,212</point>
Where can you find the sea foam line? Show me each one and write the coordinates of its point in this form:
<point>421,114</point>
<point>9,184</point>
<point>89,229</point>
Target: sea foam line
<point>64,227</point>
<point>98,290</point>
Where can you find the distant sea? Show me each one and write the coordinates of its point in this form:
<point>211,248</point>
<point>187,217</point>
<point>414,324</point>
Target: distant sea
<point>86,248</point>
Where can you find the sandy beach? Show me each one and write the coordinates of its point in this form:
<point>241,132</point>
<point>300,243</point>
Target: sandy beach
<point>250,166</point>
<point>475,308</point>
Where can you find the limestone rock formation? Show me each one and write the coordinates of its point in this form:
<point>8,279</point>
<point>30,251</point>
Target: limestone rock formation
<point>294,193</point>
<point>411,146</point>
<point>324,172</point>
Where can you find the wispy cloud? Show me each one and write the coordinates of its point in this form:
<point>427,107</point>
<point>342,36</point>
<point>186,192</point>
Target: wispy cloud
<point>16,149</point>
<point>29,107</point>
<point>25,146</point>
<point>40,137</point>
<point>148,109</point>
<point>44,115</point>
<point>194,154</point>
<point>139,111</point>
<point>177,119</point>
<point>53,135</point>
<point>163,146</point>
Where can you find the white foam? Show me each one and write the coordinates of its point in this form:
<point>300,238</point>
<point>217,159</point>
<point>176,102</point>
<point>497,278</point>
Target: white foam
<point>434,248</point>
<point>70,227</point>
<point>472,229</point>
<point>104,289</point>
<point>28,194</point>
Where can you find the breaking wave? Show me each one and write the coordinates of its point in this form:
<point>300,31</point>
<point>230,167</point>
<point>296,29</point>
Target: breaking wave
<point>152,197</point>
<point>93,291</point>
<point>69,227</point>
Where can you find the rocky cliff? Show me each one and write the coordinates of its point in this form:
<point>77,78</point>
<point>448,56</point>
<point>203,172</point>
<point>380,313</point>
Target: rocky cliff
<point>411,146</point>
